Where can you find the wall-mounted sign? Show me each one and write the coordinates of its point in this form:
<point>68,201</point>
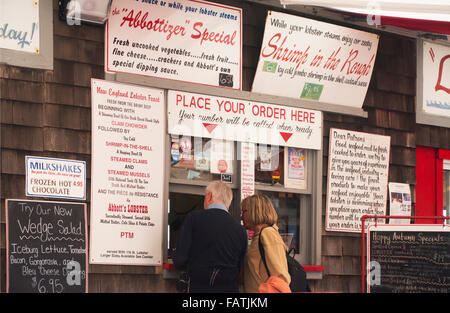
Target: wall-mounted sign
<point>128,124</point>
<point>19,25</point>
<point>308,59</point>
<point>238,120</point>
<point>192,41</point>
<point>436,79</point>
<point>400,203</point>
<point>55,178</point>
<point>46,247</point>
<point>358,166</point>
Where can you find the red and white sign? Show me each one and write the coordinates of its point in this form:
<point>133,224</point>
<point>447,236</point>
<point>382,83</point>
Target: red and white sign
<point>247,169</point>
<point>436,79</point>
<point>128,131</point>
<point>193,41</point>
<point>238,120</point>
<point>308,59</point>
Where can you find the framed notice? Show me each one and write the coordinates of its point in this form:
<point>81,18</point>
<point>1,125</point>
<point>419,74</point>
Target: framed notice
<point>308,59</point>
<point>19,25</point>
<point>358,166</point>
<point>205,116</point>
<point>46,247</point>
<point>128,154</point>
<point>191,41</point>
<point>55,178</point>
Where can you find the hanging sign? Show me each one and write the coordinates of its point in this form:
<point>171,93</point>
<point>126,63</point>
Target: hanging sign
<point>238,120</point>
<point>46,247</point>
<point>247,169</point>
<point>308,59</point>
<point>436,79</point>
<point>128,124</point>
<point>358,165</point>
<point>55,178</point>
<point>192,41</point>
<point>19,25</point>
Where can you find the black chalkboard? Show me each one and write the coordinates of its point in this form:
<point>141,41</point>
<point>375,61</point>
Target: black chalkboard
<point>46,247</point>
<point>413,259</point>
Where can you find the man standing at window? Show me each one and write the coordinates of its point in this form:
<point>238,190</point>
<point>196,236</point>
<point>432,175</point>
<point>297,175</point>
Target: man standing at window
<point>212,244</point>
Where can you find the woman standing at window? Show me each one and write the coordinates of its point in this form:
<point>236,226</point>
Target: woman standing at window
<point>258,213</point>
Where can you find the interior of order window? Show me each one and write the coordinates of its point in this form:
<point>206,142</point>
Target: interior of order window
<point>201,159</point>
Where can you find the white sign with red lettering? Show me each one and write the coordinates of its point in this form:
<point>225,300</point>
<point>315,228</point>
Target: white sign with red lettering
<point>308,59</point>
<point>128,131</point>
<point>436,79</point>
<point>206,116</point>
<point>247,169</point>
<point>193,41</point>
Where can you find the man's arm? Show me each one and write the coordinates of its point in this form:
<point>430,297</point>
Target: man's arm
<point>184,243</point>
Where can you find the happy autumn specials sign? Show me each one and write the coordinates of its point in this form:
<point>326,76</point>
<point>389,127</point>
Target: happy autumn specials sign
<point>128,131</point>
<point>192,41</point>
<point>229,119</point>
<point>308,59</point>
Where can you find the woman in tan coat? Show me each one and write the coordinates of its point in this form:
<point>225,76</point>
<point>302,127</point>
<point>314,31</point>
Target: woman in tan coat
<point>257,213</point>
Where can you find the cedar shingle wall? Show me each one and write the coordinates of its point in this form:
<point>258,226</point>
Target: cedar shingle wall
<point>48,113</point>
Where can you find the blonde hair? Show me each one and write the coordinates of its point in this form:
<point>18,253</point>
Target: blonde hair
<point>220,192</point>
<point>259,210</point>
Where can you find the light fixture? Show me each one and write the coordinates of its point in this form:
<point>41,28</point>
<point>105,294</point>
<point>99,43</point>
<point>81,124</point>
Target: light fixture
<point>75,12</point>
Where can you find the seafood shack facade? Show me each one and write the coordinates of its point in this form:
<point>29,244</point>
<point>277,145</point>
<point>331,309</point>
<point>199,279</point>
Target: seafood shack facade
<point>111,131</point>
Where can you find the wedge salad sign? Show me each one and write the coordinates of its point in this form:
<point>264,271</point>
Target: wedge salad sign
<point>193,41</point>
<point>308,59</point>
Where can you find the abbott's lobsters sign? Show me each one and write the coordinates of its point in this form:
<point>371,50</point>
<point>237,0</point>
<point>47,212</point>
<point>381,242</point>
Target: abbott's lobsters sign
<point>308,59</point>
<point>206,116</point>
<point>193,41</point>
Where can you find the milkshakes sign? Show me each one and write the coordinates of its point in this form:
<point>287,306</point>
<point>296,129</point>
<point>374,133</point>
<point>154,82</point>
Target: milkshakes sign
<point>308,59</point>
<point>55,178</point>
<point>128,124</point>
<point>229,119</point>
<point>193,41</point>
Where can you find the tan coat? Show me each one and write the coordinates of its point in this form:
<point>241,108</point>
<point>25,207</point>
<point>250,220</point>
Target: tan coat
<point>254,270</point>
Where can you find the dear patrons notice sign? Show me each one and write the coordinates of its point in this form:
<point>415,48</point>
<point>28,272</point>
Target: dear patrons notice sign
<point>128,124</point>
<point>308,59</point>
<point>206,116</point>
<point>193,41</point>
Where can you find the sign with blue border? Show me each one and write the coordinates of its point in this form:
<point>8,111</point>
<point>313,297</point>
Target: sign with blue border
<point>55,178</point>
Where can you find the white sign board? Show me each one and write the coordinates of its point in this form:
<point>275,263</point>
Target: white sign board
<point>308,59</point>
<point>400,203</point>
<point>55,178</point>
<point>358,166</point>
<point>192,41</point>
<point>436,79</point>
<point>19,25</point>
<point>238,120</point>
<point>128,131</point>
<point>247,169</point>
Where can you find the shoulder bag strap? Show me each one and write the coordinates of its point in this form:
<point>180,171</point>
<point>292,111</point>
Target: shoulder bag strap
<point>261,251</point>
